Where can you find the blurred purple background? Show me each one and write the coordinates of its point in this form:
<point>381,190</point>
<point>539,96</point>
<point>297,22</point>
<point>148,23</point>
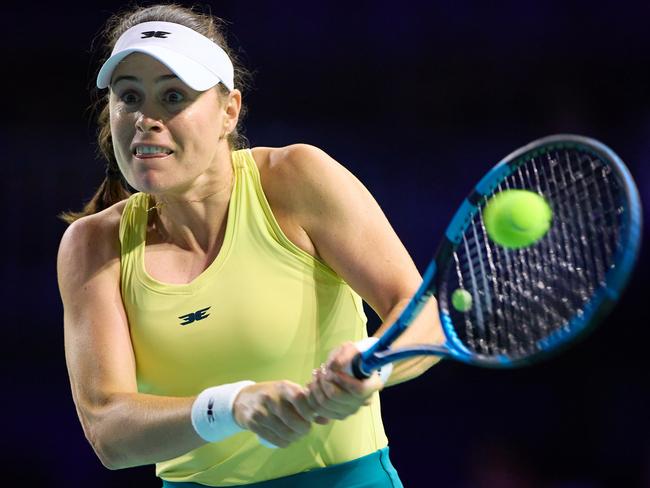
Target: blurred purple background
<point>418,100</point>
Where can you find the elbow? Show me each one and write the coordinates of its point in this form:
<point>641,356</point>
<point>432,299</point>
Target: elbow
<point>107,463</point>
<point>108,456</point>
<point>114,457</point>
<point>109,466</point>
<point>103,448</point>
<point>111,449</point>
<point>98,435</point>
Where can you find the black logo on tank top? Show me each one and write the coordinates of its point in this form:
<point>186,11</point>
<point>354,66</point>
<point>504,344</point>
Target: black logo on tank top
<point>159,34</point>
<point>194,316</point>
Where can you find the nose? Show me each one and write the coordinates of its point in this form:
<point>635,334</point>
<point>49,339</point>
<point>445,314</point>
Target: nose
<point>148,123</point>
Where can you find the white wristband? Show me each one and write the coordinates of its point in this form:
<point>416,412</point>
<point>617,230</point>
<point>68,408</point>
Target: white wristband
<point>212,415</point>
<point>385,370</point>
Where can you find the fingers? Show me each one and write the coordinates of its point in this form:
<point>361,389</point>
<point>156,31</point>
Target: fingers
<point>282,412</point>
<point>298,399</point>
<point>322,405</point>
<point>342,356</point>
<point>339,398</point>
<point>277,411</point>
<point>359,388</point>
<point>339,366</point>
<point>330,400</point>
<point>270,435</point>
<point>288,411</point>
<point>321,420</point>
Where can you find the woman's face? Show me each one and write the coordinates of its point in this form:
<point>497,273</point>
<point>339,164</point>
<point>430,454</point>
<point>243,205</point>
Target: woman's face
<point>165,134</point>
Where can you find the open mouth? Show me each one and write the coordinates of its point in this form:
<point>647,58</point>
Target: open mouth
<point>151,151</point>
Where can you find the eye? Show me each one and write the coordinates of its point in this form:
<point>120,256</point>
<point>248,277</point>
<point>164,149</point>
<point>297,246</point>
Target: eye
<point>129,97</point>
<point>174,96</point>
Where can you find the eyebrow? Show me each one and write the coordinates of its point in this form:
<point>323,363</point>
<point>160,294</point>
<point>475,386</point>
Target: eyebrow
<point>134,78</point>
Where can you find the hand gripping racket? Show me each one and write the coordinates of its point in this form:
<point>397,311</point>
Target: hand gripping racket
<point>530,302</point>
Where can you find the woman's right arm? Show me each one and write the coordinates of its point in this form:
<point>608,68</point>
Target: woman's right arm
<point>124,427</point>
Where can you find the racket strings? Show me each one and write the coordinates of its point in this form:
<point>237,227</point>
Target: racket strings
<point>522,296</point>
<point>604,208</point>
<point>538,265</point>
<point>588,274</point>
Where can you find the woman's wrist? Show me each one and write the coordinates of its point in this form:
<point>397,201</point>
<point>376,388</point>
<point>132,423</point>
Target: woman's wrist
<point>212,411</point>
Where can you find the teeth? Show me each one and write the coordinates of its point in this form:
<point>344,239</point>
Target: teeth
<point>151,150</point>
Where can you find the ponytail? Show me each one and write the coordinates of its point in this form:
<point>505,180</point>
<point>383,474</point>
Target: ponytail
<point>111,191</point>
<point>114,188</point>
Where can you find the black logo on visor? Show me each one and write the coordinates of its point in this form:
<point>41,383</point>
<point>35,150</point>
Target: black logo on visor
<point>161,34</point>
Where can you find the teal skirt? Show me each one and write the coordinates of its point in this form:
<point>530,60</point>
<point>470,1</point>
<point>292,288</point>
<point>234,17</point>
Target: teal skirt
<point>372,471</point>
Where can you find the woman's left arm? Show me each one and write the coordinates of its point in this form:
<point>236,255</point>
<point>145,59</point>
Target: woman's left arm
<point>353,236</point>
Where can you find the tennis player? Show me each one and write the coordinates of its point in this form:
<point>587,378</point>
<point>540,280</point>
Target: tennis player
<point>213,293</point>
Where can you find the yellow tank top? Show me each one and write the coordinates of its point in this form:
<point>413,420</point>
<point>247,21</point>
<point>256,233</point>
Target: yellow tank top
<point>263,310</point>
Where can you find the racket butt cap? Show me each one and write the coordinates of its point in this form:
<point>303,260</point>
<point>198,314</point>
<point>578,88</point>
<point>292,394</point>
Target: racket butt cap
<point>357,370</point>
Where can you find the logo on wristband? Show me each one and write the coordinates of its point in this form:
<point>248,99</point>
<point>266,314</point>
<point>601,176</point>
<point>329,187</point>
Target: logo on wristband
<point>210,411</point>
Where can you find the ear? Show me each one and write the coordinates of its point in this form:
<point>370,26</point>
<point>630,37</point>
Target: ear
<point>232,109</point>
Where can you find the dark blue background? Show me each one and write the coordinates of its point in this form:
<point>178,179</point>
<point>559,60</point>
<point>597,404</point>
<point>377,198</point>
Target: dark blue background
<point>418,100</point>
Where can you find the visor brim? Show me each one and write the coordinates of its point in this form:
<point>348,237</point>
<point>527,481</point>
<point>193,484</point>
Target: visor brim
<point>193,74</point>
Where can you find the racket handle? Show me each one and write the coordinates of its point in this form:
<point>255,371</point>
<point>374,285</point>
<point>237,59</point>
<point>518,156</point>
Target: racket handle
<point>354,369</point>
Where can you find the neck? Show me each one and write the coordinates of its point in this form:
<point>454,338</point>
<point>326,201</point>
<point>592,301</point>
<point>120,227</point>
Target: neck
<point>194,220</point>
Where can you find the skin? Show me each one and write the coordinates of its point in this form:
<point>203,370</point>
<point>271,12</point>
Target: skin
<point>304,187</point>
<point>195,126</point>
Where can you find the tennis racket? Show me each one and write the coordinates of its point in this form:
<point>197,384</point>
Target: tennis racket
<point>531,302</point>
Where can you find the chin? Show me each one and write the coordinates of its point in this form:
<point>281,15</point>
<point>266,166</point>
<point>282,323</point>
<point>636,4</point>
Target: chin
<point>149,176</point>
<point>148,180</point>
<point>148,185</point>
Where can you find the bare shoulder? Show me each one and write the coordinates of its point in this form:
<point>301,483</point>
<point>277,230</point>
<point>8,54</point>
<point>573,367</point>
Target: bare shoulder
<point>345,224</point>
<point>90,244</point>
<point>300,174</point>
<point>297,180</point>
<point>295,160</point>
<point>100,229</point>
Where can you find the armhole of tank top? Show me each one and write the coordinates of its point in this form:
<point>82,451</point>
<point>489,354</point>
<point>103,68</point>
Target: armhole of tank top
<point>358,305</point>
<point>121,236</point>
<point>125,217</point>
<point>278,234</point>
<point>127,235</point>
<point>122,226</point>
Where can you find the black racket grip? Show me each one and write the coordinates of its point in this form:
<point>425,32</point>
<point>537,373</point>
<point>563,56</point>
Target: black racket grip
<point>356,368</point>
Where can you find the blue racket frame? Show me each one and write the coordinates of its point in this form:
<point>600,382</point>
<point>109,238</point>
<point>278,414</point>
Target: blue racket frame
<point>594,311</point>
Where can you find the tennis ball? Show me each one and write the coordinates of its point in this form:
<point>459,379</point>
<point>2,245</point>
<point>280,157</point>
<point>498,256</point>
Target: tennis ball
<point>461,300</point>
<point>517,218</point>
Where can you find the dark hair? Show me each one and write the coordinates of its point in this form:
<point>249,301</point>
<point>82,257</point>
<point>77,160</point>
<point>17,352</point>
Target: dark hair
<point>114,187</point>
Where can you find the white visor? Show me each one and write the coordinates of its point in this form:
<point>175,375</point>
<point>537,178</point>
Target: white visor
<point>195,59</point>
